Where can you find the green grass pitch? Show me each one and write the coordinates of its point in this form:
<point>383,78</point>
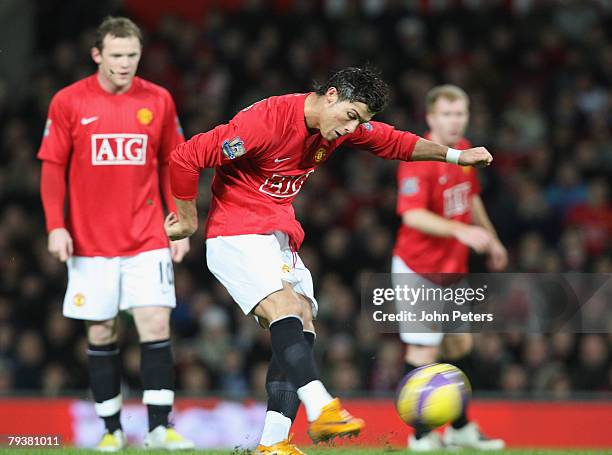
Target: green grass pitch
<point>308,450</point>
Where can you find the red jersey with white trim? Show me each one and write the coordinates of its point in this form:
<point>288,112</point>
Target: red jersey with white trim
<point>113,145</point>
<point>262,157</point>
<point>446,190</point>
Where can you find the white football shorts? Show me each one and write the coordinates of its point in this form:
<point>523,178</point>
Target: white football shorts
<point>253,266</point>
<point>427,338</point>
<point>100,287</point>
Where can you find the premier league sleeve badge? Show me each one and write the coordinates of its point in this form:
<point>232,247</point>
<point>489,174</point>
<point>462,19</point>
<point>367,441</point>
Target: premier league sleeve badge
<point>233,149</point>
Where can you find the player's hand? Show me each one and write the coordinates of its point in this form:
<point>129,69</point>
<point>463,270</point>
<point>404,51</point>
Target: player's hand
<point>178,249</point>
<point>60,244</point>
<point>475,237</point>
<point>174,228</point>
<point>477,156</point>
<point>498,256</point>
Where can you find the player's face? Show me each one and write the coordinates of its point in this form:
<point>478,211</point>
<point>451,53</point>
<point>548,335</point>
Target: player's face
<point>447,120</point>
<point>341,117</point>
<point>118,61</point>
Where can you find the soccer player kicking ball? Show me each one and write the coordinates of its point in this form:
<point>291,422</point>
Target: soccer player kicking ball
<point>262,157</point>
<point>106,145</point>
<point>442,218</point>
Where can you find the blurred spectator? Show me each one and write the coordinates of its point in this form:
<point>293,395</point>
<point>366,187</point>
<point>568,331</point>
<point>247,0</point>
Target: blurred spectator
<point>593,363</point>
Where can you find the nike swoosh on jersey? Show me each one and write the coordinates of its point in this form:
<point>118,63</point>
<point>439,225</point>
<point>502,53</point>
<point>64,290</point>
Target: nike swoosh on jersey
<point>278,160</point>
<point>88,120</point>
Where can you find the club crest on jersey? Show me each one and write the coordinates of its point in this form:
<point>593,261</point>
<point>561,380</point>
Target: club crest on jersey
<point>320,155</point>
<point>410,186</point>
<point>118,149</point>
<point>78,299</point>
<point>144,116</point>
<point>233,149</point>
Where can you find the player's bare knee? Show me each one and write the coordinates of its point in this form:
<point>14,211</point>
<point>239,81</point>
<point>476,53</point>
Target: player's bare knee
<point>279,305</point>
<point>456,346</point>
<point>289,307</point>
<point>307,315</point>
<point>419,355</point>
<point>153,324</point>
<point>100,333</point>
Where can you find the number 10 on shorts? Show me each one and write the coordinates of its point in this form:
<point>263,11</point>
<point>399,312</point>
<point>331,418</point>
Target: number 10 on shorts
<point>166,275</point>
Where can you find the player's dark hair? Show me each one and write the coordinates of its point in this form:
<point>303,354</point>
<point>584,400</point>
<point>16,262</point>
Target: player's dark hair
<point>119,27</point>
<point>358,84</point>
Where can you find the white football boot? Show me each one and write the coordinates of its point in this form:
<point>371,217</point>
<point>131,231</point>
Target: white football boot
<point>162,437</point>
<point>112,442</point>
<point>470,437</point>
<point>431,441</point>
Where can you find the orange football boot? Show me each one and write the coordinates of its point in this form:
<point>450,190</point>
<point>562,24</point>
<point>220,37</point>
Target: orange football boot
<point>280,448</point>
<point>334,422</point>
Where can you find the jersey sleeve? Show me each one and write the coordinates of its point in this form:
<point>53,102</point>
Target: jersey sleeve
<point>383,140</point>
<point>56,144</point>
<point>245,136</point>
<point>53,193</point>
<point>172,132</point>
<point>171,136</point>
<point>413,187</point>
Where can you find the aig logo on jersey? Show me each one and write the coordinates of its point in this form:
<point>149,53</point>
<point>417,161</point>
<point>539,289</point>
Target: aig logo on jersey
<point>118,149</point>
<point>283,186</point>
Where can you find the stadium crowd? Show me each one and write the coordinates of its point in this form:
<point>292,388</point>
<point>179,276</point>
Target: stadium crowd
<point>540,81</point>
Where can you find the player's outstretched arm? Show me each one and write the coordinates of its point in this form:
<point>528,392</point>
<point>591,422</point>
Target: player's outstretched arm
<point>425,150</point>
<point>184,222</point>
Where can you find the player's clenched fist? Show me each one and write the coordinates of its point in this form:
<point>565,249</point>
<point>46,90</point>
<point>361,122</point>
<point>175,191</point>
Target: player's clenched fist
<point>175,230</point>
<point>477,156</point>
<point>60,244</point>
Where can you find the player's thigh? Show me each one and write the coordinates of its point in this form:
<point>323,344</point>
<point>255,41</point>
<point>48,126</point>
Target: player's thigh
<point>296,275</point>
<point>147,280</point>
<point>93,290</point>
<point>249,266</point>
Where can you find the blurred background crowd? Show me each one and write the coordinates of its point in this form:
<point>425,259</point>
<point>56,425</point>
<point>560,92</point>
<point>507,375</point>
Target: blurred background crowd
<point>539,74</point>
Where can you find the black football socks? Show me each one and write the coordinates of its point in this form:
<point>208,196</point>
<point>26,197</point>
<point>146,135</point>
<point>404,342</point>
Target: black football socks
<point>282,395</point>
<point>105,381</point>
<point>292,351</point>
<point>158,377</point>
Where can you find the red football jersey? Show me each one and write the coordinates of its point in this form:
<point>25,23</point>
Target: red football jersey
<point>446,190</point>
<point>114,145</point>
<point>262,158</point>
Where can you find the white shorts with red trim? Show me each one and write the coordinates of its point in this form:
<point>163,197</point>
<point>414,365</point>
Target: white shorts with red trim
<point>100,287</point>
<point>253,266</point>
